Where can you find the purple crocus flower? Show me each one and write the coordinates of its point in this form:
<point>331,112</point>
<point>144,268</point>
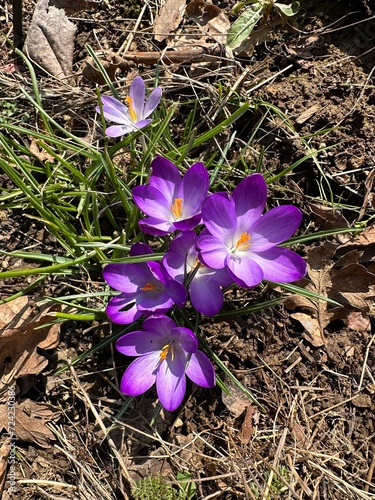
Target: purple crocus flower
<point>167,353</point>
<point>171,201</point>
<point>244,241</point>
<point>145,288</point>
<point>135,115</point>
<point>181,260</point>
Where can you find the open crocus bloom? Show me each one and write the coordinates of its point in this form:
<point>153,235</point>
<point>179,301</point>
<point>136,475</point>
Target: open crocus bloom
<point>181,260</point>
<point>172,202</point>
<point>135,115</point>
<point>244,241</point>
<point>167,353</point>
<point>145,288</point>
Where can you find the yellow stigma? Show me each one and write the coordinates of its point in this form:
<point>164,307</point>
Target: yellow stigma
<point>242,243</point>
<point>132,113</point>
<point>149,287</point>
<point>177,208</point>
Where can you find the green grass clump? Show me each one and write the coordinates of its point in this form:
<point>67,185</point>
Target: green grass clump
<point>154,488</point>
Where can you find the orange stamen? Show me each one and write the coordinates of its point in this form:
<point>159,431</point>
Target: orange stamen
<point>132,113</point>
<point>177,208</point>
<point>242,243</point>
<point>149,287</point>
<point>164,352</point>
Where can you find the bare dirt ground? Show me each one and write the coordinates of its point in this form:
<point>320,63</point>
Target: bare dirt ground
<point>314,436</point>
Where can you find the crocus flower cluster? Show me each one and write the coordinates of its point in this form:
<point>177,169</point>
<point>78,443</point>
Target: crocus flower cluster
<point>134,115</point>
<point>219,239</point>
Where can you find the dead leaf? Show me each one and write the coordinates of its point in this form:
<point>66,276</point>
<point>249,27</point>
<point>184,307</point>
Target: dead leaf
<point>111,64</point>
<point>338,276</point>
<point>39,152</point>
<point>20,337</point>
<point>169,18</point>
<point>50,40</point>
<point>72,7</point>
<point>247,428</point>
<point>211,19</point>
<point>236,401</point>
<point>4,454</point>
<point>30,420</point>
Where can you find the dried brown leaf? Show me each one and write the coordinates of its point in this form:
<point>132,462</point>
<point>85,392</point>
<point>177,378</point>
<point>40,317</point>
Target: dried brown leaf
<point>4,454</point>
<point>30,420</point>
<point>169,18</point>
<point>20,337</point>
<point>50,40</point>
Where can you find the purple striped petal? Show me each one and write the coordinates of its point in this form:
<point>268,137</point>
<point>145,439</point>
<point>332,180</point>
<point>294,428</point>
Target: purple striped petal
<point>152,102</point>
<point>140,343</point>
<point>114,110</point>
<point>281,265</point>
<point>200,370</point>
<point>152,202</point>
<point>116,313</point>
<point>212,251</point>
<point>250,198</point>
<point>171,382</point>
<point>118,130</point>
<point>206,295</point>
<point>219,216</point>
<point>137,94</point>
<point>274,227</point>
<point>244,270</point>
<point>193,189</point>
<point>140,375</point>
<point>166,178</point>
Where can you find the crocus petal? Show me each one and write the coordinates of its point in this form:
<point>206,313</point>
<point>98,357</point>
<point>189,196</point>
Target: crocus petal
<point>117,315</point>
<point>137,94</point>
<point>155,302</point>
<point>142,123</point>
<point>152,202</point>
<point>156,227</point>
<point>159,323</point>
<point>140,343</point>
<point>140,375</point>
<point>185,338</point>
<point>281,265</point>
<point>152,102</point>
<point>188,224</point>
<point>118,130</point>
<point>244,270</point>
<point>171,382</point>
<point>140,249</point>
<point>114,110</point>
<point>212,251</point>
<point>219,216</point>
<point>200,370</point>
<point>127,278</point>
<point>166,178</point>
<point>177,292</point>
<point>206,295</point>
<point>274,227</point>
<point>193,189</point>
<point>250,198</point>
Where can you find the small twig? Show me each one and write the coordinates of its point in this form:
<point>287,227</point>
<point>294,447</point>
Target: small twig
<point>17,25</point>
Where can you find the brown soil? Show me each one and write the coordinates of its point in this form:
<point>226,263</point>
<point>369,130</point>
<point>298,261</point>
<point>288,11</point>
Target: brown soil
<point>315,433</point>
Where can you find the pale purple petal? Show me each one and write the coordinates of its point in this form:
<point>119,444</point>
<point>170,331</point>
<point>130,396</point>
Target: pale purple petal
<point>213,252</point>
<point>142,124</point>
<point>200,370</point>
<point>250,198</point>
<point>274,227</point>
<point>137,94</point>
<point>206,295</point>
<point>119,310</point>
<point>219,216</point>
<point>156,227</point>
<point>166,178</point>
<point>244,270</point>
<point>152,202</point>
<point>114,110</point>
<point>186,338</point>
<point>118,130</point>
<point>152,102</point>
<point>140,375</point>
<point>127,278</point>
<point>140,343</point>
<point>193,189</point>
<point>171,382</point>
<point>281,265</point>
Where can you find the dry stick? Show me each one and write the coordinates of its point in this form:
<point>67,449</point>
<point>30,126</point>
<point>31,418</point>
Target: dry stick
<point>103,428</point>
<point>275,462</point>
<point>370,472</point>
